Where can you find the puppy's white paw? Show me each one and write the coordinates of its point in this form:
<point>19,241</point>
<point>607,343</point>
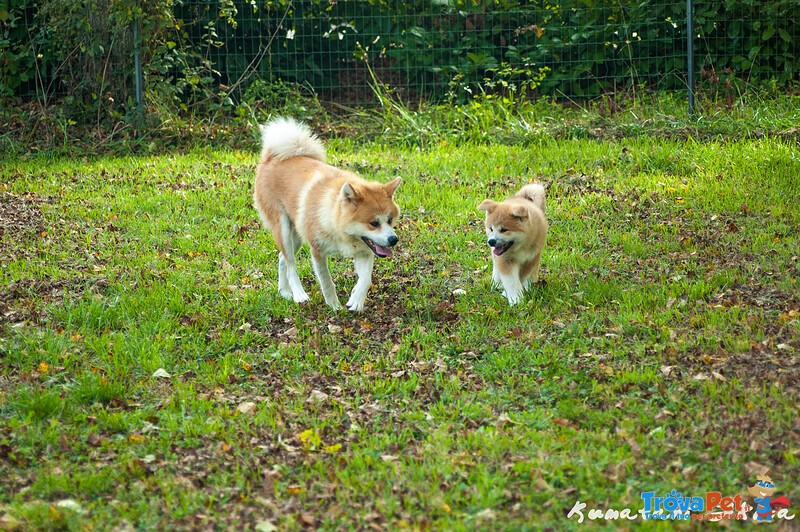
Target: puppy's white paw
<point>355,306</point>
<point>302,297</point>
<point>514,299</point>
<point>286,292</point>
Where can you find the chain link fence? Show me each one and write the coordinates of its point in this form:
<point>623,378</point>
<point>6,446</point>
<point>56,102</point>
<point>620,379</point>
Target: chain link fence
<point>218,52</point>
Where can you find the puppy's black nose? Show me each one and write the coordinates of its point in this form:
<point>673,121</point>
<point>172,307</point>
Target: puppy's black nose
<point>492,242</point>
<point>393,240</point>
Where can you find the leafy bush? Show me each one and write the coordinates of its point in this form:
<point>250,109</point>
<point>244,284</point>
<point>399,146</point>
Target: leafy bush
<point>26,48</point>
<point>753,38</point>
<point>204,54</point>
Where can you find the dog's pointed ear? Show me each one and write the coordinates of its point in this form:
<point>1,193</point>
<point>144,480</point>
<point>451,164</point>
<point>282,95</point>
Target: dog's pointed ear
<point>520,213</point>
<point>487,205</point>
<point>392,185</point>
<point>348,193</point>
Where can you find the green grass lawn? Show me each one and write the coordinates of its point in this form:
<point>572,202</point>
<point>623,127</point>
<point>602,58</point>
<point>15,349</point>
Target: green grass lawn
<point>659,351</point>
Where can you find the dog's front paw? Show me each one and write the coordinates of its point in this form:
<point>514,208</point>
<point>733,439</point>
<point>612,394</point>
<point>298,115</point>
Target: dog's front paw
<point>302,297</point>
<point>355,306</point>
<point>514,299</point>
<point>285,292</point>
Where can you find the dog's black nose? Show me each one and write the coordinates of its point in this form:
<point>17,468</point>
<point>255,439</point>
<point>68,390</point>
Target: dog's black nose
<point>492,242</point>
<point>393,240</point>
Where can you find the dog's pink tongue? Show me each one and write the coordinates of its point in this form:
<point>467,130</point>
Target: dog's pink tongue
<point>386,252</point>
<point>498,251</point>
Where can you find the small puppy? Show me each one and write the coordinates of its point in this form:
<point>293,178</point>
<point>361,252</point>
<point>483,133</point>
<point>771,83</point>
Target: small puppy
<point>300,199</point>
<point>516,230</point>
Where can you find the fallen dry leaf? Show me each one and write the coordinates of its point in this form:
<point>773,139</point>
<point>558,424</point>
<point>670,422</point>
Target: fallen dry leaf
<point>9,522</point>
<point>487,513</point>
<point>317,396</point>
<point>70,504</point>
<point>503,420</point>
<point>246,408</point>
<point>265,526</point>
<point>753,469</point>
<point>161,373</point>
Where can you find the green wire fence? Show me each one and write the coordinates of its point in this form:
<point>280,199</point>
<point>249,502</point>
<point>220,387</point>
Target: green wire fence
<point>94,55</point>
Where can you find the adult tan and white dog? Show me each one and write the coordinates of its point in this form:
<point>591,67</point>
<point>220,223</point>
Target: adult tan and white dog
<point>516,229</point>
<point>300,199</point>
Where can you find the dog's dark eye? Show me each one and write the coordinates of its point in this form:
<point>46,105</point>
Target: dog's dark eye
<point>389,221</point>
<point>375,223</point>
<point>503,230</point>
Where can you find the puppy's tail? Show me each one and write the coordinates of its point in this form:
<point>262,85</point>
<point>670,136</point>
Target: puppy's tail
<point>283,138</point>
<point>534,193</point>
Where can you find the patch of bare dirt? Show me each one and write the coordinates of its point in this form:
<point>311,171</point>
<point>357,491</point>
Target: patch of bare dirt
<point>22,300</point>
<point>20,214</point>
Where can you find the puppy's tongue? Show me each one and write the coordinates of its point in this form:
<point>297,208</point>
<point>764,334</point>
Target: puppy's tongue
<point>498,251</point>
<point>385,252</point>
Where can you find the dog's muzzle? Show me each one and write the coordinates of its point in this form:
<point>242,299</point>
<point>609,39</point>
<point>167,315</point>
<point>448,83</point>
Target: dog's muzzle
<point>498,248</point>
<point>381,251</point>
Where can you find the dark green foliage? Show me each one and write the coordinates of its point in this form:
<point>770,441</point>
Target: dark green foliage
<point>21,42</point>
<point>203,54</point>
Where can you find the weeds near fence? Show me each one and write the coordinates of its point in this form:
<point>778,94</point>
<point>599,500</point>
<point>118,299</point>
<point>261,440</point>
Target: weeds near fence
<point>725,106</point>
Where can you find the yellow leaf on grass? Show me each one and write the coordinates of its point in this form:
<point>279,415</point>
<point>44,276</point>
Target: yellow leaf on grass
<point>333,449</point>
<point>43,367</point>
<point>306,435</point>
<point>608,370</point>
<point>310,439</point>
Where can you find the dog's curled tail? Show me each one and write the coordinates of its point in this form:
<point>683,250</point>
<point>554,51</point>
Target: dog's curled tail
<point>535,193</point>
<point>283,138</point>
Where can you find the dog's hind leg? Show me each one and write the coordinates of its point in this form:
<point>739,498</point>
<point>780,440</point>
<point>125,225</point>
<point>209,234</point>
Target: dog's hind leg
<point>496,277</point>
<point>290,242</point>
<point>320,263</point>
<point>363,266</point>
<point>283,277</point>
<point>535,271</point>
<point>529,272</point>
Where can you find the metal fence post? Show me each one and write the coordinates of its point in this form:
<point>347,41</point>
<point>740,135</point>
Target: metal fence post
<point>690,55</point>
<point>137,65</point>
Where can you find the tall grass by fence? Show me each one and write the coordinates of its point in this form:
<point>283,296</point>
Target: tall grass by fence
<point>217,52</point>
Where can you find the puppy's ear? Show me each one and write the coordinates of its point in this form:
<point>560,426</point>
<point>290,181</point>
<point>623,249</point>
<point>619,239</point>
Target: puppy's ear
<point>520,213</point>
<point>348,193</point>
<point>487,205</point>
<point>391,186</point>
